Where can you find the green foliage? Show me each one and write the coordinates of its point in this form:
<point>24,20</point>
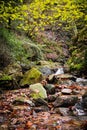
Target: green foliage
<point>5,77</point>
<point>11,11</point>
<point>36,15</point>
<point>78,59</point>
<point>14,44</point>
<point>85,59</point>
<point>55,12</point>
<point>75,64</point>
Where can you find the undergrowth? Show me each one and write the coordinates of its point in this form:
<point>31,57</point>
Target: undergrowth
<point>13,44</point>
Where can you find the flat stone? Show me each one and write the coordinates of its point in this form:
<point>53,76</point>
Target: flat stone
<point>66,91</point>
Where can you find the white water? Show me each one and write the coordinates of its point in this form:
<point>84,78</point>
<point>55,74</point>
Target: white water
<point>59,71</point>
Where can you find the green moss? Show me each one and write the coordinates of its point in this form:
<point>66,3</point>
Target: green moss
<point>38,91</point>
<point>31,76</point>
<point>6,77</point>
<point>75,63</point>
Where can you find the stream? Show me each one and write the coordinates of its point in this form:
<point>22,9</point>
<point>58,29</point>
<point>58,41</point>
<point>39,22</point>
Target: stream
<point>64,108</point>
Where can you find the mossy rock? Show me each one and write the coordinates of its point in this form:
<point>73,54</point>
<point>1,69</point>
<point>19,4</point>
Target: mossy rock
<point>38,91</point>
<point>30,77</point>
<point>6,82</point>
<point>13,69</point>
<point>21,100</point>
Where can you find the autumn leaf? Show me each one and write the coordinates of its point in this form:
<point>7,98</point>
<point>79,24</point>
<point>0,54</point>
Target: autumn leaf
<point>29,124</point>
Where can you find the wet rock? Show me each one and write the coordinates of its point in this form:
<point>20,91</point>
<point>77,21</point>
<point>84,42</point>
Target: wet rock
<point>84,100</point>
<point>25,67</point>
<point>65,101</point>
<point>50,88</point>
<point>38,91</point>
<point>66,77</point>
<point>41,109</point>
<point>78,109</point>
<point>51,98</point>
<point>58,102</point>
<point>30,77</point>
<point>45,70</point>
<point>66,82</point>
<point>22,100</point>
<point>40,102</point>
<point>62,111</point>
<point>66,91</point>
<point>51,79</point>
<point>81,81</point>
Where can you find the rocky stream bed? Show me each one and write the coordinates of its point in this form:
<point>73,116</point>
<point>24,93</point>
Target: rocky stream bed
<point>47,100</point>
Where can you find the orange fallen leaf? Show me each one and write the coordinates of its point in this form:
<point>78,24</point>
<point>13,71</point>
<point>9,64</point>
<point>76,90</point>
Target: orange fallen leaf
<point>29,124</point>
<point>58,126</point>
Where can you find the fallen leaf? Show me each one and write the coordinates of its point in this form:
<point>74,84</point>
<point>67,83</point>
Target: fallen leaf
<point>29,124</point>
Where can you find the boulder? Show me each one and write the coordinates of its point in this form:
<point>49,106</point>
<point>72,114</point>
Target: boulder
<point>51,98</point>
<point>61,78</point>
<point>14,70</point>
<point>6,82</point>
<point>38,91</point>
<point>45,70</point>
<point>30,77</point>
<point>51,79</point>
<point>40,102</point>
<point>50,88</point>
<point>81,81</point>
<point>65,101</point>
<point>11,76</point>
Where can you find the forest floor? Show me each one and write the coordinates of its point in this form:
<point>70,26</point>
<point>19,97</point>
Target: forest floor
<point>24,116</point>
